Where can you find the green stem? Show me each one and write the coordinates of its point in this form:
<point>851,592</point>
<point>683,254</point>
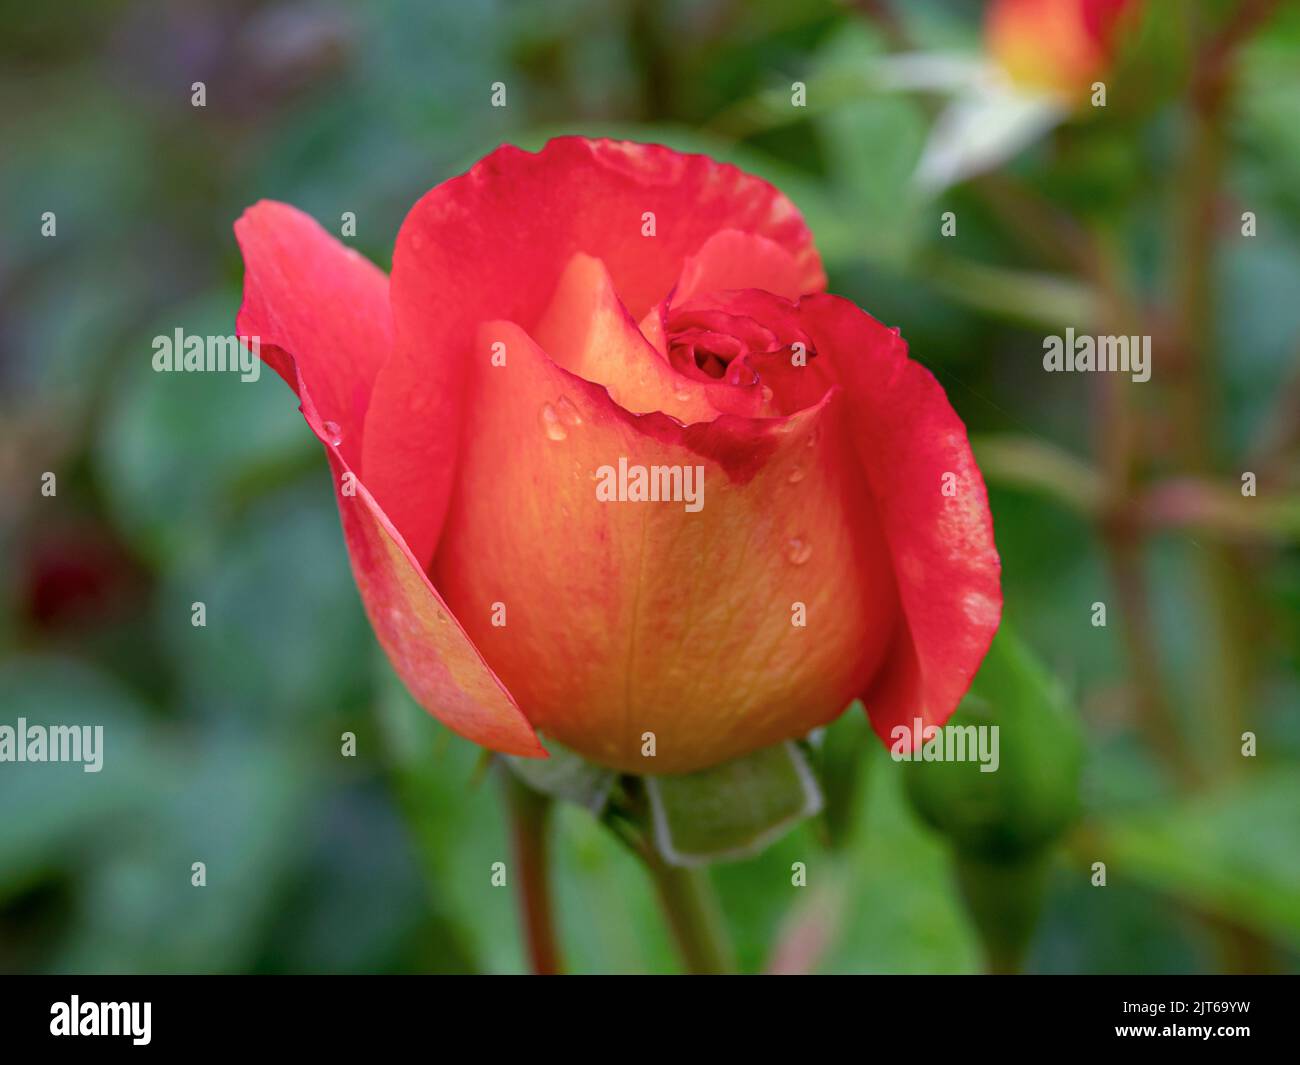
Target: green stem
<point>694,916</point>
<point>1005,899</point>
<point>529,813</point>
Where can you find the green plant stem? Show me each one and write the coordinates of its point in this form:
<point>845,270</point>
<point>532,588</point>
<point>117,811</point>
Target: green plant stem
<point>693,914</point>
<point>529,814</point>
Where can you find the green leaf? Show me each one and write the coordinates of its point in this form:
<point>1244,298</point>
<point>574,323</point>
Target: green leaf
<point>1232,853</point>
<point>733,810</point>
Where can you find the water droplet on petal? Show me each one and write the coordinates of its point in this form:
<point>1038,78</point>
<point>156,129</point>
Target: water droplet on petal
<point>551,423</point>
<point>798,551</point>
<point>742,375</point>
<point>333,433</point>
<point>796,475</point>
<point>683,395</point>
<point>567,412</point>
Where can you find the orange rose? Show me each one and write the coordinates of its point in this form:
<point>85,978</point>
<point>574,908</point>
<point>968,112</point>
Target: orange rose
<point>610,464</point>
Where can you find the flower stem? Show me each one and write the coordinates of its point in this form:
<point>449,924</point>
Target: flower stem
<point>694,916</point>
<point>529,814</point>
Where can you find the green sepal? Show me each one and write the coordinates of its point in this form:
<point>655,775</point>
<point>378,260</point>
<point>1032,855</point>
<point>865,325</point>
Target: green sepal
<point>733,810</point>
<point>566,776</point>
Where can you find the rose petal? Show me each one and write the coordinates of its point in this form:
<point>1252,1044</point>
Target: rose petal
<point>624,618</point>
<point>733,259</point>
<point>321,312</point>
<point>305,294</point>
<point>907,437</point>
<point>792,374</point>
<point>491,244</point>
<point>587,330</point>
<point>426,644</point>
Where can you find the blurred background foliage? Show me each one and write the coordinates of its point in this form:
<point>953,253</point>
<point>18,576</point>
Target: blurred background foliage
<point>223,742</point>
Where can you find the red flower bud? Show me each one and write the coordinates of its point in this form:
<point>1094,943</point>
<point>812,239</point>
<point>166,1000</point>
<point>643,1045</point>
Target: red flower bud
<point>1060,46</point>
<point>619,467</point>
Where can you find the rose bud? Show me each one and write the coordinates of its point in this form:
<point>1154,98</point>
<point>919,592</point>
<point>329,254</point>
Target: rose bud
<point>613,468</point>
<point>1057,46</point>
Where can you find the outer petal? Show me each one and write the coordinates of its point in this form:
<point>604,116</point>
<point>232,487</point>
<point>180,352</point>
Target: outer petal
<point>321,313</point>
<point>426,644</point>
<point>492,243</point>
<point>309,298</point>
<point>631,617</point>
<point>907,437</point>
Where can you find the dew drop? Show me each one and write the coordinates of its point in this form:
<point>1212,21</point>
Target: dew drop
<point>333,433</point>
<point>567,412</point>
<point>796,475</point>
<point>683,395</point>
<point>798,551</point>
<point>551,423</point>
<point>742,375</point>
